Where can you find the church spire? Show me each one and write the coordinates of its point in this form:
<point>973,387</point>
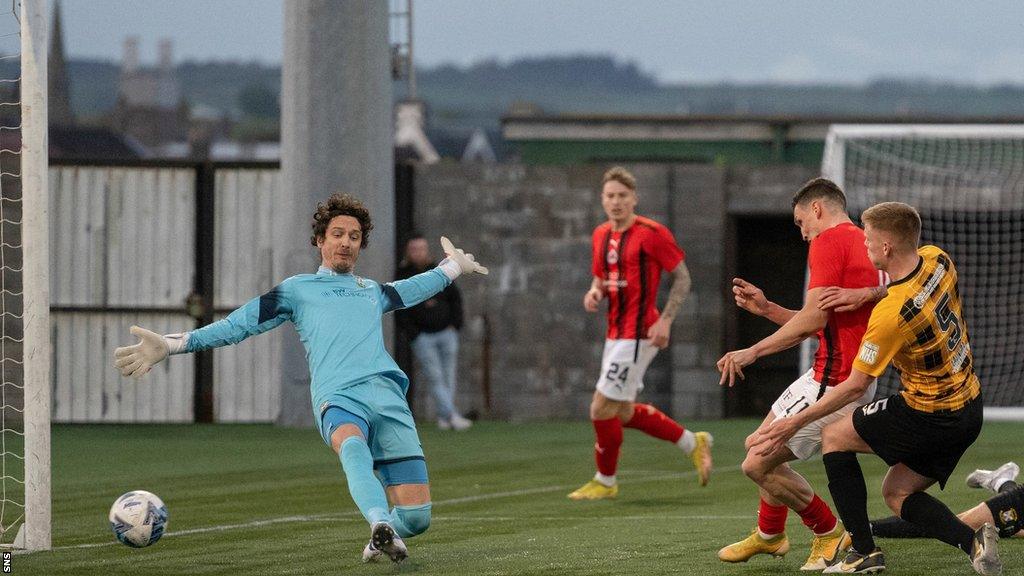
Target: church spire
<point>59,88</point>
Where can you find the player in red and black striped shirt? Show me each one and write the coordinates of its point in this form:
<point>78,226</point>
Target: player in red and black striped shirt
<point>629,254</point>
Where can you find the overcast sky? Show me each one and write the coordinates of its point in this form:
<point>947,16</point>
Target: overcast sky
<point>707,41</point>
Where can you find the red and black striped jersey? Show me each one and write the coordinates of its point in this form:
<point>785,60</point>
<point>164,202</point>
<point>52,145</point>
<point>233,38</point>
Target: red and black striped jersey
<point>629,264</point>
<point>837,257</point>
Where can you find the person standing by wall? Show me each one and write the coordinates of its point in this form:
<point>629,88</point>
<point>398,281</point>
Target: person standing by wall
<point>432,328</point>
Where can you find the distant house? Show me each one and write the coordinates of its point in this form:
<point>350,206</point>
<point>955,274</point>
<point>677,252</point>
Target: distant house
<point>150,108</point>
<point>479,148</point>
<point>91,143</point>
<point>67,138</point>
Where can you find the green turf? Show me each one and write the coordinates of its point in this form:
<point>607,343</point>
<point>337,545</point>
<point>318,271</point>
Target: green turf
<point>500,505</point>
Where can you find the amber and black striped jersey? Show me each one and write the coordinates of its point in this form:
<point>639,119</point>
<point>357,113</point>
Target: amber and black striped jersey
<point>919,327</point>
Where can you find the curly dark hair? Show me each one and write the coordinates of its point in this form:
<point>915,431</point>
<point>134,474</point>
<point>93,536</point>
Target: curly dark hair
<point>340,205</point>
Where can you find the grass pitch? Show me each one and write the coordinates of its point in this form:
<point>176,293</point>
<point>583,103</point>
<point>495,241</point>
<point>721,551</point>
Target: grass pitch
<point>254,500</point>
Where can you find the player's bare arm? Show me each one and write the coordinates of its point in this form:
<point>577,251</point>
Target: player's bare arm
<point>661,330</point>
<point>593,296</point>
<point>802,325</point>
<point>752,299</point>
<point>848,299</point>
<point>780,431</point>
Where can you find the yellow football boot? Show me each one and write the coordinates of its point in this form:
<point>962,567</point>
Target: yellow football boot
<point>594,490</point>
<point>701,456</point>
<point>752,546</point>
<point>826,548</point>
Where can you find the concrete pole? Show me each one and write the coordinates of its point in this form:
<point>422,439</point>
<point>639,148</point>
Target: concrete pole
<point>336,135</point>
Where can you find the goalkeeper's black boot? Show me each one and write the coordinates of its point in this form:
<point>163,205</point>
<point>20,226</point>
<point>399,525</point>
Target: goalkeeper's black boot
<point>384,540</point>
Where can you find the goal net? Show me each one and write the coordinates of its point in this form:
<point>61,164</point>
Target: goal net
<point>24,305</point>
<point>967,181</point>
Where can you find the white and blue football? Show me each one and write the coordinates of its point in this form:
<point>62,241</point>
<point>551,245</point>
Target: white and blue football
<point>138,518</point>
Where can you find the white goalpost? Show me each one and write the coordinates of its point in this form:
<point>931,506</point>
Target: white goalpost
<point>967,181</point>
<point>24,283</point>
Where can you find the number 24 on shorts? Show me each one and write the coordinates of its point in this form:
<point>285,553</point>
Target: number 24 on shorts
<point>617,371</point>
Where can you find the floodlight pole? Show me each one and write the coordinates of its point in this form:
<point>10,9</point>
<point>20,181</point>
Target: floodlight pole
<point>336,135</point>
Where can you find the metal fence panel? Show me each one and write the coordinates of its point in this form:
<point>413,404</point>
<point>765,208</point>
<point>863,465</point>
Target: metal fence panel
<point>246,385</point>
<point>121,238</point>
<point>87,387</point>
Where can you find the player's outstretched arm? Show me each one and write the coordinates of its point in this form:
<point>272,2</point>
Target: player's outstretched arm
<point>466,263</point>
<point>803,324</point>
<point>415,289</point>
<point>849,299</point>
<point>752,299</point>
<point>152,348</point>
<point>254,317</point>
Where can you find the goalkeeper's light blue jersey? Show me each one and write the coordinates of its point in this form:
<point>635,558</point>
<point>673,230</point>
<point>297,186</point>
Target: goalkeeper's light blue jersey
<point>338,318</point>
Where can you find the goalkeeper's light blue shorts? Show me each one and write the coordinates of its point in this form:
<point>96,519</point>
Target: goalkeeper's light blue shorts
<point>378,407</point>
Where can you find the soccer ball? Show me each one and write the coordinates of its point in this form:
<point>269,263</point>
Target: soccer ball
<point>138,518</point>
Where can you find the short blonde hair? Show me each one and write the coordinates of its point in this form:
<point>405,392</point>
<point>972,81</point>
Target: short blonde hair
<point>620,175</point>
<point>896,218</point>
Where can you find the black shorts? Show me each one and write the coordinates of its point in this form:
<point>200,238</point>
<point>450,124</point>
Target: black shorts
<point>929,443</point>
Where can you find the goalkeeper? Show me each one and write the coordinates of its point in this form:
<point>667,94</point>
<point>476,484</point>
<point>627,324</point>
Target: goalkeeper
<point>358,391</point>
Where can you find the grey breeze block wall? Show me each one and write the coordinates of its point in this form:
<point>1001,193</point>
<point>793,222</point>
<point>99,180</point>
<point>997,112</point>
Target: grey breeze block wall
<point>532,226</point>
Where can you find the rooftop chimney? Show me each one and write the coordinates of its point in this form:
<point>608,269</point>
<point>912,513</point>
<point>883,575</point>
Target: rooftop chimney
<point>166,51</point>
<point>130,62</point>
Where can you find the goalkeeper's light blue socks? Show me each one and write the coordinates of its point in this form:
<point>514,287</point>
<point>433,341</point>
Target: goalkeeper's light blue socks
<point>410,520</point>
<point>363,485</point>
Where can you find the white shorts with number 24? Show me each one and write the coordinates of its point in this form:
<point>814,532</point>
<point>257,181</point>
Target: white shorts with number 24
<point>622,368</point>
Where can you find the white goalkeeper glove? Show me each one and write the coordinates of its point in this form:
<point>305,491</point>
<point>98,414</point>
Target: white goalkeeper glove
<point>152,349</point>
<point>458,262</point>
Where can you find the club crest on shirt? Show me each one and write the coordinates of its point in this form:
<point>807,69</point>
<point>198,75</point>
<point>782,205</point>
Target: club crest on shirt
<point>868,353</point>
<point>613,256</point>
<point>1008,516</point>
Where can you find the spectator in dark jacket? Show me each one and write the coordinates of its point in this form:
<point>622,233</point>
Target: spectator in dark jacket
<point>433,331</point>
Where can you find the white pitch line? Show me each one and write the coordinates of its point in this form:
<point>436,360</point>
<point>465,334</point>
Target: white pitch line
<point>449,501</point>
<point>447,518</point>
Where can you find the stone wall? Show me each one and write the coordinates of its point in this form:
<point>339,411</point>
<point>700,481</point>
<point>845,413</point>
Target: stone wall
<point>526,331</point>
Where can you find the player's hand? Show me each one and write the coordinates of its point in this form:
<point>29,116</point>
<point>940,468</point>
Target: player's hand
<point>591,299</point>
<point>659,333</point>
<point>137,360</point>
<point>731,365</point>
<point>755,437</point>
<point>843,299</point>
<point>465,261</point>
<point>775,437</point>
<point>749,297</point>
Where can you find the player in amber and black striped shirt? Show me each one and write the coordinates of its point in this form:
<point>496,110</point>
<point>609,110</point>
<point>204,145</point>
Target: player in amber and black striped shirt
<point>629,254</point>
<point>922,431</point>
